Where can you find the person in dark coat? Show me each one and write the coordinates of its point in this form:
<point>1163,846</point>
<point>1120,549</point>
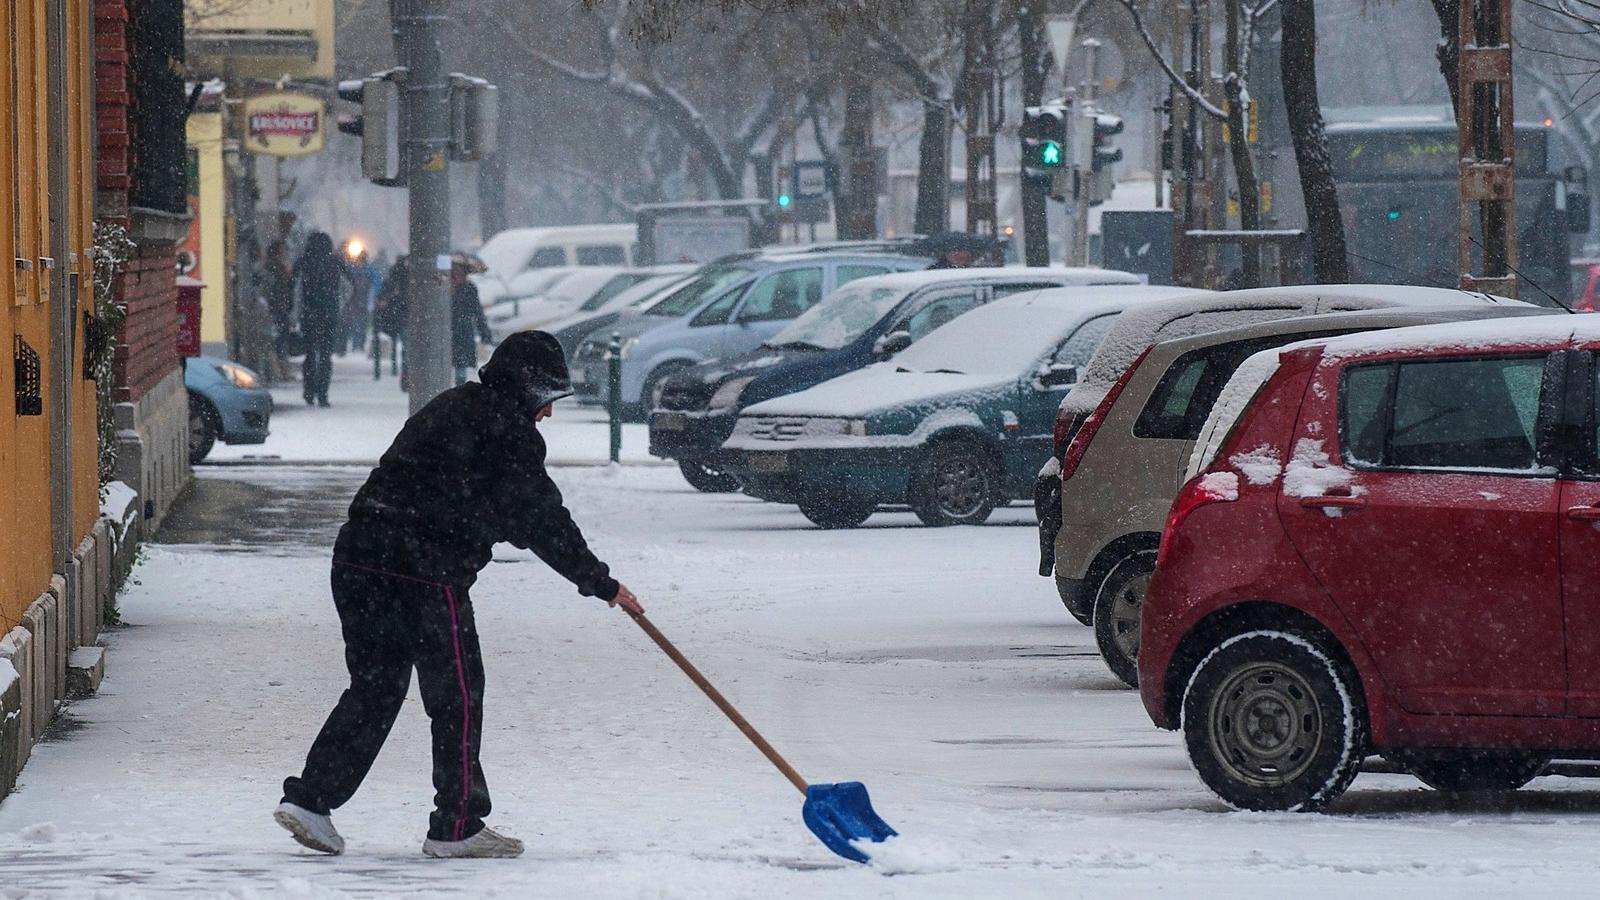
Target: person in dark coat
<point>467,471</point>
<point>318,273</point>
<point>277,282</point>
<point>467,321</point>
<point>391,311</point>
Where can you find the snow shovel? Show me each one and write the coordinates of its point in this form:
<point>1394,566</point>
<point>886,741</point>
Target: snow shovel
<point>836,813</point>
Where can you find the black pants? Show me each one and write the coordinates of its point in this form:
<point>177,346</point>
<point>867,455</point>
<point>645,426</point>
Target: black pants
<point>317,370</point>
<point>392,624</point>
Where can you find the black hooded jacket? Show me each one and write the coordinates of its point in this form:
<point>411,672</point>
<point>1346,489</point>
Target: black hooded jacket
<point>468,471</point>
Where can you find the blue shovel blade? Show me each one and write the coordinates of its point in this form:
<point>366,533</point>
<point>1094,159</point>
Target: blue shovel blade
<point>842,813</point>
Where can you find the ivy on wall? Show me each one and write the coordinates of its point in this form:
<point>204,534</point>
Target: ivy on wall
<point>112,249</point>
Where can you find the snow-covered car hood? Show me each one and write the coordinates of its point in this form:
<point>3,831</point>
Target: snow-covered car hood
<point>753,363</point>
<point>630,326</point>
<point>877,389</point>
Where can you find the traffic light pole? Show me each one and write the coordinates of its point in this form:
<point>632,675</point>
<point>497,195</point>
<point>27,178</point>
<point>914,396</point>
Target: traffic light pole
<point>1078,253</point>
<point>419,39</point>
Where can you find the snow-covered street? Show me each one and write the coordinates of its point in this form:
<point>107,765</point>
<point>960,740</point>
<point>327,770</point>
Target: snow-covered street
<point>929,663</point>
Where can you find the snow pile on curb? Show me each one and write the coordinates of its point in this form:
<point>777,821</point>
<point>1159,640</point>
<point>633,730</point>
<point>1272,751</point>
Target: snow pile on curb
<point>119,504</point>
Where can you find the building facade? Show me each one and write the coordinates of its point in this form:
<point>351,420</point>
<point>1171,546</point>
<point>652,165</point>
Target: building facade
<point>91,94</point>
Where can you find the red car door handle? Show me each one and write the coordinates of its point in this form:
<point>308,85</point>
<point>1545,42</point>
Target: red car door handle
<point>1584,513</point>
<point>1326,502</point>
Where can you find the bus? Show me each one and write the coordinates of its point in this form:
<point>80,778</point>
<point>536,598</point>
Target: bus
<point>1397,177</point>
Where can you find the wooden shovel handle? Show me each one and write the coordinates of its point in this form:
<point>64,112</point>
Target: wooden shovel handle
<point>721,702</point>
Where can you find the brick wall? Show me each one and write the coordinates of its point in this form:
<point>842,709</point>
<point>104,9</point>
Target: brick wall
<point>113,99</point>
<point>147,343</point>
<point>147,347</point>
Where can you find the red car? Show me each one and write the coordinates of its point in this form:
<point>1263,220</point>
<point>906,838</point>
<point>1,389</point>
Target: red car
<point>1391,545</point>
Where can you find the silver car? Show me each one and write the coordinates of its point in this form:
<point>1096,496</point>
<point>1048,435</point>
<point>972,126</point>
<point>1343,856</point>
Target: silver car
<point>729,308</point>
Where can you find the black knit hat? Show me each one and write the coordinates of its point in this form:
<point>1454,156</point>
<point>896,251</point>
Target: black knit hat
<point>531,365</point>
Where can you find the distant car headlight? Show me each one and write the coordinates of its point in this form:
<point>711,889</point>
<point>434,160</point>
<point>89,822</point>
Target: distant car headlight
<point>727,396</point>
<point>238,376</point>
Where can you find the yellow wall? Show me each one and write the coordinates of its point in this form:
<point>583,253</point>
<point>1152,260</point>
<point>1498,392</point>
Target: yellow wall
<point>314,17</point>
<point>205,135</point>
<point>25,448</point>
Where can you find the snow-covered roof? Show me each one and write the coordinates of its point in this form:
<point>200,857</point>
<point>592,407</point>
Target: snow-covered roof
<point>1507,333</point>
<point>1334,296</point>
<point>1213,311</point>
<point>1066,275</point>
<point>1050,314</point>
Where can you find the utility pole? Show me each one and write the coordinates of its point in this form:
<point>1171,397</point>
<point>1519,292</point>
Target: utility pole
<point>1487,147</point>
<point>1035,227</point>
<point>1082,118</point>
<point>419,44</point>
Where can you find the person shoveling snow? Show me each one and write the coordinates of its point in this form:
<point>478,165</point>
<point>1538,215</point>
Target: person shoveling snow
<point>467,471</point>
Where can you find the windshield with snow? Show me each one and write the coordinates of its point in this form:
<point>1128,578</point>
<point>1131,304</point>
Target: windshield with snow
<point>843,317</point>
<point>994,340</point>
<point>708,283</point>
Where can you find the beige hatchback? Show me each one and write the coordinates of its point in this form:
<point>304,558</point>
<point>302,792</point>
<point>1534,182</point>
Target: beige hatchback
<point>1121,448</point>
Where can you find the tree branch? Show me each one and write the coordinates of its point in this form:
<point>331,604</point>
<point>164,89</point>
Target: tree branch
<point>1177,80</point>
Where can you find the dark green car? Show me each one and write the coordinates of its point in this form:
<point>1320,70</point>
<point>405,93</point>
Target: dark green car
<point>954,426</point>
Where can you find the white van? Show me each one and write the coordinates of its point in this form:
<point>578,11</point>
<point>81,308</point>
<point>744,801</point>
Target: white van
<point>519,260</point>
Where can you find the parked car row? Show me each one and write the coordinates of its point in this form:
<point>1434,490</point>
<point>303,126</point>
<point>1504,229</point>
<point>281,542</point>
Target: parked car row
<point>1320,538</point>
<point>727,309</point>
<point>870,320</point>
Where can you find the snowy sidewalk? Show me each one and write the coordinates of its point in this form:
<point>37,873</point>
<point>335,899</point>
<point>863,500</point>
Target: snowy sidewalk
<point>366,414</point>
<point>929,663</point>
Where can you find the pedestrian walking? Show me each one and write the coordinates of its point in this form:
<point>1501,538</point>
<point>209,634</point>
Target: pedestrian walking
<point>318,274</point>
<point>364,279</point>
<point>277,284</point>
<point>467,322</point>
<point>467,471</point>
<point>390,312</point>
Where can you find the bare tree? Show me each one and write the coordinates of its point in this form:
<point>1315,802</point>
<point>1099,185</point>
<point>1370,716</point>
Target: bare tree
<point>632,74</point>
<point>1329,261</point>
<point>1241,21</point>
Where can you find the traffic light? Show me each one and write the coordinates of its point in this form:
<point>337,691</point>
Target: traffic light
<point>1103,155</point>
<point>1044,140</point>
<point>474,117</point>
<point>378,124</point>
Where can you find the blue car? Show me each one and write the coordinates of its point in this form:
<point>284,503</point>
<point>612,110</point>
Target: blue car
<point>863,323</point>
<point>226,403</point>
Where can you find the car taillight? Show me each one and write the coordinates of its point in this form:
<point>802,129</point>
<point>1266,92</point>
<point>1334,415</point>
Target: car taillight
<point>1078,441</point>
<point>1067,424</point>
<point>1203,490</point>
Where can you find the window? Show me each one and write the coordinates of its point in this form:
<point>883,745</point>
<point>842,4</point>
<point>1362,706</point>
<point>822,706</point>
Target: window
<point>782,296</point>
<point>546,257</point>
<point>1365,390</point>
<point>601,255</point>
<point>1077,350</point>
<point>1182,400</point>
<point>720,309</point>
<point>1451,414</point>
<point>847,274</point>
<point>937,312</point>
<point>1167,413</point>
<point>615,286</point>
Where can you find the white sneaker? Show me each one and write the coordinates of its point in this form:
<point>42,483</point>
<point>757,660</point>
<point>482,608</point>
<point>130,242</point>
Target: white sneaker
<point>486,844</point>
<point>310,829</point>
